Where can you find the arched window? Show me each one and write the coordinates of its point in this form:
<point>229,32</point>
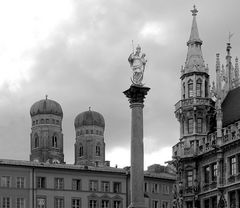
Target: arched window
<point>199,88</point>
<point>190,88</point>
<point>184,88</point>
<point>36,141</point>
<point>98,150</point>
<point>80,150</point>
<point>87,132</point>
<point>54,141</point>
<point>42,121</point>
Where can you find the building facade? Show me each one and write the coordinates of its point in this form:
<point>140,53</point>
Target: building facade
<point>46,181</point>
<point>207,156</point>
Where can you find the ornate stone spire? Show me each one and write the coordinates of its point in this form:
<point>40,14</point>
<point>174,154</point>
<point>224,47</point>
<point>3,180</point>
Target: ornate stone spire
<point>218,75</point>
<point>194,36</point>
<point>194,60</point>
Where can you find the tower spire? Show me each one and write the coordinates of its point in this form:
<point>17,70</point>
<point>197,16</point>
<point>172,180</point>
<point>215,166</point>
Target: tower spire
<point>194,60</point>
<point>194,35</point>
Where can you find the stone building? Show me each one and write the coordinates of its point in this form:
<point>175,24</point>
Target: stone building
<point>46,181</point>
<point>207,156</point>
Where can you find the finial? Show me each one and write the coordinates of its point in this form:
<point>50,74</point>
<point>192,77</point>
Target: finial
<point>194,11</point>
<point>46,97</point>
<point>89,108</point>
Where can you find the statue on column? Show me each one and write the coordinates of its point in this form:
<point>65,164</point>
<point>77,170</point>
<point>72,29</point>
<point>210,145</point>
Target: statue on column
<point>137,63</point>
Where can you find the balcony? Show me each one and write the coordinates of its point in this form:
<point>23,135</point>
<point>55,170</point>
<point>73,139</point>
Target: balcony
<point>192,102</point>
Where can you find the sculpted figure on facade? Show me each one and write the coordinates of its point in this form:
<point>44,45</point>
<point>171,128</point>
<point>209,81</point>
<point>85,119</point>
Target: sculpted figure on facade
<point>137,63</point>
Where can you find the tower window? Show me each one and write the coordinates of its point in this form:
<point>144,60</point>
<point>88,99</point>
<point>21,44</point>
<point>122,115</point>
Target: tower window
<point>199,125</point>
<point>190,88</point>
<point>80,151</point>
<point>36,141</point>
<point>184,88</point>
<point>54,141</point>
<point>206,89</point>
<point>189,178</point>
<point>199,88</point>
<point>190,126</point>
<point>98,150</point>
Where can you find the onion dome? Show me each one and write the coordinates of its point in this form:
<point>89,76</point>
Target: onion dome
<point>46,106</point>
<point>89,118</point>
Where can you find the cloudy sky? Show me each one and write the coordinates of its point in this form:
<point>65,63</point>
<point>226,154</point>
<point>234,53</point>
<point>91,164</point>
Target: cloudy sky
<point>76,52</point>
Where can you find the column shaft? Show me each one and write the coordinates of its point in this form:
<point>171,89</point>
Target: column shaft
<point>137,157</point>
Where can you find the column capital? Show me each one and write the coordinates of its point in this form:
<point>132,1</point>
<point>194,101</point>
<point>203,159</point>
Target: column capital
<point>136,94</point>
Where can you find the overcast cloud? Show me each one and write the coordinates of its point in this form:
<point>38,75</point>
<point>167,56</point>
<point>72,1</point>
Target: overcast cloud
<point>76,52</point>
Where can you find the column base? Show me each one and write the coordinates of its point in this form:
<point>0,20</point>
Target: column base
<point>137,205</point>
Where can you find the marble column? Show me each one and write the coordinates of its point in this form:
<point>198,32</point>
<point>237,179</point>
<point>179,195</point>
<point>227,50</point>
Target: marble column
<point>136,95</point>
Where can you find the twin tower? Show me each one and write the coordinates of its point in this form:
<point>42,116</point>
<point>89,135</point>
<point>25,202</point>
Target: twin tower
<point>47,138</point>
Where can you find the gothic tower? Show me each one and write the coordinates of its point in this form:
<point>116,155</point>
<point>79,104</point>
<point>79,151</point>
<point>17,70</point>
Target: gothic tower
<point>194,110</point>
<point>89,145</point>
<point>46,135</point>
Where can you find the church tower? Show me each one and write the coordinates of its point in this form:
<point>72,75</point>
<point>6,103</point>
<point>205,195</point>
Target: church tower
<point>46,135</point>
<point>194,110</point>
<point>89,145</point>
